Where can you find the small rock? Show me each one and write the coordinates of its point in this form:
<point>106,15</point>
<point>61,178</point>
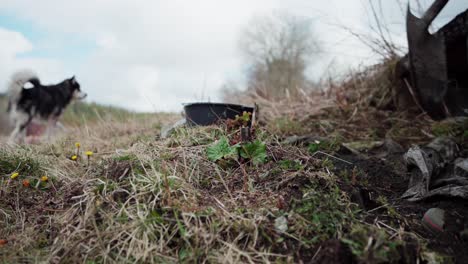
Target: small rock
<point>281,224</point>
<point>434,219</point>
<point>464,235</point>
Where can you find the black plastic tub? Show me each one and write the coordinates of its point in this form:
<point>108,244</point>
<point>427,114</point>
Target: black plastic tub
<point>204,114</point>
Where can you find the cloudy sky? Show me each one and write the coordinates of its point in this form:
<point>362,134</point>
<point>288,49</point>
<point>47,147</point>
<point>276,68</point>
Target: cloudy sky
<point>153,55</point>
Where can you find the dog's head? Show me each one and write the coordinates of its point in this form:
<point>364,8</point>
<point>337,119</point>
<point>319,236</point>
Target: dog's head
<point>76,90</point>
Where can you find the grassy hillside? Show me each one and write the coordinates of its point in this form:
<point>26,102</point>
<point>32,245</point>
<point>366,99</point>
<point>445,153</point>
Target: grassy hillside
<point>211,195</point>
<point>138,199</point>
<point>80,113</point>
<point>142,199</point>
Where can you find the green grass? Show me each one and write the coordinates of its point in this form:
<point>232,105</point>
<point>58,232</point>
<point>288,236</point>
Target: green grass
<point>326,211</point>
<point>21,161</point>
<point>80,112</point>
<point>450,127</point>
<point>380,250</point>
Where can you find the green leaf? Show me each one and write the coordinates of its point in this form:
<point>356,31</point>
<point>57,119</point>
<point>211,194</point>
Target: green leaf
<point>221,150</point>
<point>245,117</point>
<point>254,151</point>
<point>314,147</point>
<point>183,254</point>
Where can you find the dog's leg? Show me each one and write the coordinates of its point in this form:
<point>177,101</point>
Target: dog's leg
<point>14,134</point>
<point>22,130</point>
<point>19,133</point>
<point>61,126</point>
<point>51,124</point>
<point>14,120</point>
<point>22,121</point>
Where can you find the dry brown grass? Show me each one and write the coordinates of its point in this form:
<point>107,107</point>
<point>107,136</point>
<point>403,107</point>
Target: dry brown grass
<point>146,200</point>
<point>363,105</point>
<point>142,199</point>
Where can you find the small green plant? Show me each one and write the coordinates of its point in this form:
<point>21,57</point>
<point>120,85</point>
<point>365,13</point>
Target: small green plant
<point>372,245</point>
<point>240,120</point>
<point>291,165</point>
<point>325,212</point>
<point>252,151</point>
<point>392,212</point>
<point>325,145</point>
<point>314,147</point>
<point>221,150</point>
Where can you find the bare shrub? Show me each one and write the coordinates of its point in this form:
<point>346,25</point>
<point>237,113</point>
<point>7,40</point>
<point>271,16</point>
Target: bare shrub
<point>277,49</point>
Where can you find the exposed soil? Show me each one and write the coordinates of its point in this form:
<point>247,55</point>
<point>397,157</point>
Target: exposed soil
<point>387,177</point>
<point>334,251</point>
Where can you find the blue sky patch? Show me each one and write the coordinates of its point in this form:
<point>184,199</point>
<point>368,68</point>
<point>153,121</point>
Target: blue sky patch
<point>69,48</point>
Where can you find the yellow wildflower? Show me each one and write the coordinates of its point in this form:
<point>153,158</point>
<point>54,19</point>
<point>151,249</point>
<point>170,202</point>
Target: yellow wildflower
<point>44,178</point>
<point>14,175</point>
<point>89,153</point>
<point>74,157</point>
<point>77,145</point>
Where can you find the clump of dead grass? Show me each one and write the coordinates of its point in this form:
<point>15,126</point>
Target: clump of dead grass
<point>363,105</point>
<point>142,199</point>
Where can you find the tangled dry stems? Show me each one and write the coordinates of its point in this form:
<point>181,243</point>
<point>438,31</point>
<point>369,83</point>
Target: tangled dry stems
<point>143,199</point>
<point>147,200</point>
<point>368,104</point>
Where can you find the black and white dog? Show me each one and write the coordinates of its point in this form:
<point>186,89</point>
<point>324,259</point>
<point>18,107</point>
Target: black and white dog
<point>43,103</point>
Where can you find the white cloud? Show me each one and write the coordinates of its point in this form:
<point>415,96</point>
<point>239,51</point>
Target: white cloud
<point>187,44</point>
<point>14,44</point>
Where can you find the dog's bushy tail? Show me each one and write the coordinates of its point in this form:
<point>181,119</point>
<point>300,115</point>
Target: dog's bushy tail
<point>16,85</point>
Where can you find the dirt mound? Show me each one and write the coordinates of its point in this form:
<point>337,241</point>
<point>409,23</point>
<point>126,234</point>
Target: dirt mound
<point>381,183</point>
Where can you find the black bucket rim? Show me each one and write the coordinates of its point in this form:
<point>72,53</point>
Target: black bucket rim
<point>217,104</point>
<point>193,110</point>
